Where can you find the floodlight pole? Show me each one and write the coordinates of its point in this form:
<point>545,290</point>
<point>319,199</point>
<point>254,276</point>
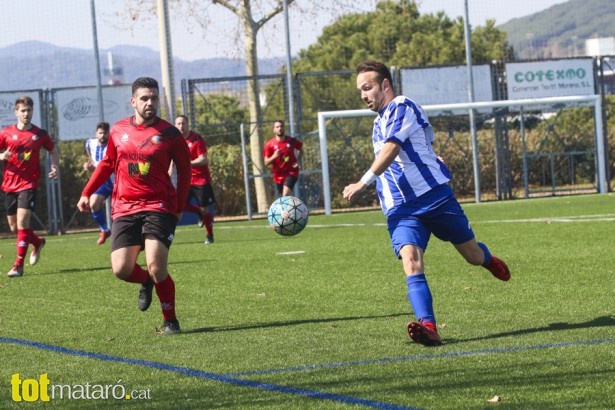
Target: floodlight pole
<point>101,111</point>
<point>166,59</point>
<point>289,73</point>
<point>289,81</point>
<point>466,30</point>
<point>101,105</point>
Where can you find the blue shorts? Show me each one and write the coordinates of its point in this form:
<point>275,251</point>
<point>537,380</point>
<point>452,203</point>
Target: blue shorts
<point>105,189</point>
<point>435,212</point>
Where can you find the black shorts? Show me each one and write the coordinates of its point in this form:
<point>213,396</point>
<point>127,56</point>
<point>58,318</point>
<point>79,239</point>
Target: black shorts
<point>22,199</point>
<point>289,181</point>
<point>204,195</point>
<point>130,230</point>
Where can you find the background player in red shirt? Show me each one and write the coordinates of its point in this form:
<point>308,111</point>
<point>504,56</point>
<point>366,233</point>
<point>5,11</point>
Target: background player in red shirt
<point>145,204</point>
<point>200,183</point>
<point>21,146</point>
<point>279,152</point>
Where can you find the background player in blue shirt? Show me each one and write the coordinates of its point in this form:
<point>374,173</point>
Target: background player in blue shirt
<point>412,185</point>
<point>96,149</point>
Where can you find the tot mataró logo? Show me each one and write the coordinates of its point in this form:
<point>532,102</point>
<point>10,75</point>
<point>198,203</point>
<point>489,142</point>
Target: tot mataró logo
<point>29,390</point>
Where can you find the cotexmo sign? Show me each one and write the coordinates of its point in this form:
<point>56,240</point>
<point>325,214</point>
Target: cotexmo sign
<point>552,78</point>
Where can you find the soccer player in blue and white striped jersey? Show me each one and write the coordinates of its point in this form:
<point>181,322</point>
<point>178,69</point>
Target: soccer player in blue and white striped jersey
<point>412,184</point>
<point>96,149</point>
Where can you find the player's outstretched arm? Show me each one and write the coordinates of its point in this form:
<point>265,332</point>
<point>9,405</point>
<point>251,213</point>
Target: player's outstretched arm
<point>387,155</point>
<point>353,189</point>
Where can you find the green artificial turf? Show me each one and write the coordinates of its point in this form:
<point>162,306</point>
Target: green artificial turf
<point>318,320</point>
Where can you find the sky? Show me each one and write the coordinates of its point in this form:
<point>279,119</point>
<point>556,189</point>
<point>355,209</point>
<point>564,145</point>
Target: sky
<point>67,23</point>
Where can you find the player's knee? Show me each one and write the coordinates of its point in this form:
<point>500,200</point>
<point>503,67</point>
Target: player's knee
<point>95,205</point>
<point>122,272</point>
<point>412,260</point>
<point>158,273</point>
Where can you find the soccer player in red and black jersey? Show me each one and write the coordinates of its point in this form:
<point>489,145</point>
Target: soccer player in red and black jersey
<point>279,152</point>
<point>21,146</point>
<point>145,204</point>
<point>200,183</point>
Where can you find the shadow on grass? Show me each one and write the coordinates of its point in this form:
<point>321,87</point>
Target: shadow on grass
<point>287,323</point>
<point>601,321</point>
<point>79,270</point>
<point>227,241</point>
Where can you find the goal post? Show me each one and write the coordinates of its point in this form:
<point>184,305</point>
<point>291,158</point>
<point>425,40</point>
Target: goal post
<point>521,105</point>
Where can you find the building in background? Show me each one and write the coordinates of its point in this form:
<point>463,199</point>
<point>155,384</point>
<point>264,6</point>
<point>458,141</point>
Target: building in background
<point>114,71</point>
<point>598,47</point>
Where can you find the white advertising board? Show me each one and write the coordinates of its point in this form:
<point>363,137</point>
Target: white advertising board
<point>78,109</point>
<point>446,85</point>
<point>7,108</point>
<point>552,78</point>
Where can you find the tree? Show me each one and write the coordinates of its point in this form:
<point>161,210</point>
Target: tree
<point>219,118</point>
<point>251,25</point>
<point>395,33</point>
<point>252,16</point>
<point>398,35</point>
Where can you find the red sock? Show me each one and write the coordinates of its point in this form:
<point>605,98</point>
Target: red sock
<point>138,275</point>
<point>32,238</point>
<point>166,294</point>
<point>192,208</point>
<point>208,222</point>
<point>22,246</point>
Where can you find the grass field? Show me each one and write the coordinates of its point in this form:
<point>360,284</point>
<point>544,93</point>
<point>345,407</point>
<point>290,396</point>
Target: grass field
<point>318,320</point>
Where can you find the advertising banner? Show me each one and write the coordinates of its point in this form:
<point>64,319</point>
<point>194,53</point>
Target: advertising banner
<point>78,109</point>
<point>7,107</point>
<point>553,78</point>
<point>446,85</point>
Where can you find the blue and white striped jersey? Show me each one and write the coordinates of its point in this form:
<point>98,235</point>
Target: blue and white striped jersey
<point>96,151</point>
<point>417,169</point>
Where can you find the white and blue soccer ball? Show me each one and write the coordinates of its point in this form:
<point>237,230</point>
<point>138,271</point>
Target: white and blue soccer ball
<point>288,215</point>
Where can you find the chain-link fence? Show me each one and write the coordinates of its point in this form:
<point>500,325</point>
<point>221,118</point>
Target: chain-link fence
<point>546,151</point>
<point>558,145</point>
<point>553,154</point>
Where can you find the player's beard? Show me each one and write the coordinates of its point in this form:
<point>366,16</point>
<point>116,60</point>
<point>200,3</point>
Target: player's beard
<point>148,114</point>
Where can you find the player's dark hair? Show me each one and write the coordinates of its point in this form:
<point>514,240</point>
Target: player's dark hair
<point>182,116</point>
<point>25,100</point>
<point>375,66</point>
<point>103,126</point>
<point>278,120</point>
<point>144,82</point>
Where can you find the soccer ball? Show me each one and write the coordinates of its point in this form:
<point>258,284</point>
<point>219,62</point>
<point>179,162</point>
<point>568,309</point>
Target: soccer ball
<point>288,215</point>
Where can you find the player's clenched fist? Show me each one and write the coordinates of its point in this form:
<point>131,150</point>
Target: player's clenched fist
<point>84,204</point>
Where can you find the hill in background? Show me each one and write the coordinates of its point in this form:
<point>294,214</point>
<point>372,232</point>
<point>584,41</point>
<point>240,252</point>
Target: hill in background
<point>33,65</point>
<point>561,30</point>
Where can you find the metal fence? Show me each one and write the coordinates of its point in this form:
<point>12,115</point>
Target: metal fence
<point>560,160</point>
<point>556,164</point>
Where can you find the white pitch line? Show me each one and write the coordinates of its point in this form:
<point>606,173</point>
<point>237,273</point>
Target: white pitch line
<point>555,219</point>
<point>290,253</point>
<point>562,219</point>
